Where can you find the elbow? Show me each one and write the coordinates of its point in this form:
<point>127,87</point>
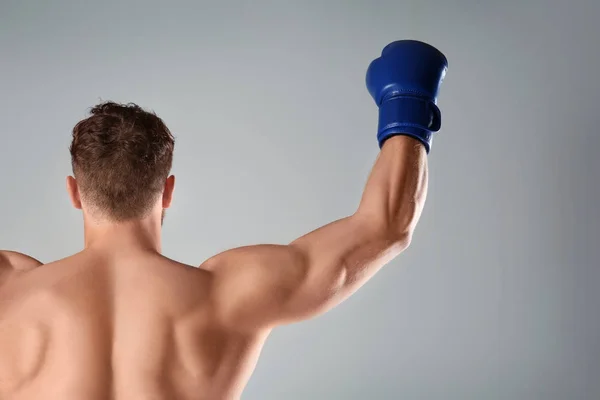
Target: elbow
<point>404,240</point>
<point>398,230</point>
<point>392,234</point>
<point>400,236</point>
<point>400,239</point>
<point>402,225</point>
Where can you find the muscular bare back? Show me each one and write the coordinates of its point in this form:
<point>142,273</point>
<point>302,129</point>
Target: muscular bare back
<point>119,321</point>
<point>128,326</point>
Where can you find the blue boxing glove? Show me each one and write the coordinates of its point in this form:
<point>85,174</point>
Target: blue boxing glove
<point>404,82</point>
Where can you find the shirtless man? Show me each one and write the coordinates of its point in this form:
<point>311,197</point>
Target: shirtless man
<point>120,321</point>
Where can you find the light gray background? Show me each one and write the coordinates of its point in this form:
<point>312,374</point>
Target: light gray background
<point>497,297</point>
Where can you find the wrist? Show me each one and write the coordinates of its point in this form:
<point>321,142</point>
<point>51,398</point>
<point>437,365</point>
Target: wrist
<point>412,116</point>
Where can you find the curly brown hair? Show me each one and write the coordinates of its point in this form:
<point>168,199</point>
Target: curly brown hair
<point>121,156</point>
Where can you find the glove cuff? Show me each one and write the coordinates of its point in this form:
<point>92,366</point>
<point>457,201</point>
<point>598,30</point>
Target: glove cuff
<point>413,116</point>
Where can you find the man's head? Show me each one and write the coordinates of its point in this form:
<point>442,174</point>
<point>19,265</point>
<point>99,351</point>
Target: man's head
<point>121,157</point>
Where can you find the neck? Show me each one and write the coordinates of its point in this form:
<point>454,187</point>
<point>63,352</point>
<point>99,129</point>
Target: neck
<point>141,234</point>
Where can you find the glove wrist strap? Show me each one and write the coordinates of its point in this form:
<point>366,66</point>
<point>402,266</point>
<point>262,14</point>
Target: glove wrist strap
<point>411,116</point>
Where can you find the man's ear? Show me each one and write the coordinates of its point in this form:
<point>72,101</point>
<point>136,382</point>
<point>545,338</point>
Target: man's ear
<point>167,197</point>
<point>73,191</point>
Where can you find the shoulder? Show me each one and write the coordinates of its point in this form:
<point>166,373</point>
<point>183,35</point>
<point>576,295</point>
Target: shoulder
<point>17,261</point>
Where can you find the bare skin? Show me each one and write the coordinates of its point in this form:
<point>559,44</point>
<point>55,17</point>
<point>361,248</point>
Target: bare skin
<point>120,321</point>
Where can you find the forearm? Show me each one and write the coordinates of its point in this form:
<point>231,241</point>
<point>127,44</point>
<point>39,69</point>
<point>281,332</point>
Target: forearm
<point>391,203</point>
<point>277,284</point>
<point>395,192</point>
<point>323,267</point>
<point>342,255</point>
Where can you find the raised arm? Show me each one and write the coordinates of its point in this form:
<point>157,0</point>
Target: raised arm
<point>257,287</point>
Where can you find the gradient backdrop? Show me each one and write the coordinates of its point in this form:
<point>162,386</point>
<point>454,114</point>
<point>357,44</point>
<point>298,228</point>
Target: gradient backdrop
<point>496,299</point>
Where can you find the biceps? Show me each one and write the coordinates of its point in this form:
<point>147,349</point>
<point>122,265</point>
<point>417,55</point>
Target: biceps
<point>266,285</point>
<point>342,256</point>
